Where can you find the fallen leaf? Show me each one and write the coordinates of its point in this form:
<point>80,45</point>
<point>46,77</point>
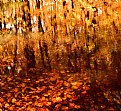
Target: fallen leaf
<point>64,108</point>
<point>11,108</point>
<point>18,103</point>
<point>23,85</point>
<point>66,84</point>
<point>74,87</point>
<point>13,100</point>
<point>58,99</point>
<point>16,90</point>
<point>0,105</point>
<point>48,103</point>
<point>71,105</point>
<point>62,71</point>
<point>29,108</point>
<point>43,98</point>
<point>9,95</point>
<point>84,92</point>
<point>77,106</point>
<point>7,105</point>
<point>2,100</point>
<point>70,79</point>
<point>53,79</point>
<point>111,109</point>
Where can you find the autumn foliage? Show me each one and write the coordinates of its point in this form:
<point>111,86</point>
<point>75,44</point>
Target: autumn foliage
<point>60,55</point>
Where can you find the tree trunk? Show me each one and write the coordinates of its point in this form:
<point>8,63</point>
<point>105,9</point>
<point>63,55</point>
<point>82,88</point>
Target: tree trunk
<point>42,54</point>
<point>4,24</point>
<point>14,58</point>
<point>47,55</point>
<point>40,28</point>
<point>0,25</point>
<point>75,61</point>
<point>29,54</point>
<point>16,29</point>
<point>28,16</point>
<point>72,4</point>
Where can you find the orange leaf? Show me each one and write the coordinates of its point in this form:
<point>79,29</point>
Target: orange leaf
<point>13,100</point>
<point>6,105</point>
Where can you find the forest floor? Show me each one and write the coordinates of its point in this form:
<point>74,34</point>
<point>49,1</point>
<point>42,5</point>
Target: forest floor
<point>59,92</point>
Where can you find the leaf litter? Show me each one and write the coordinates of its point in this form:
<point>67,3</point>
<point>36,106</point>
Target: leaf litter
<point>57,92</point>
